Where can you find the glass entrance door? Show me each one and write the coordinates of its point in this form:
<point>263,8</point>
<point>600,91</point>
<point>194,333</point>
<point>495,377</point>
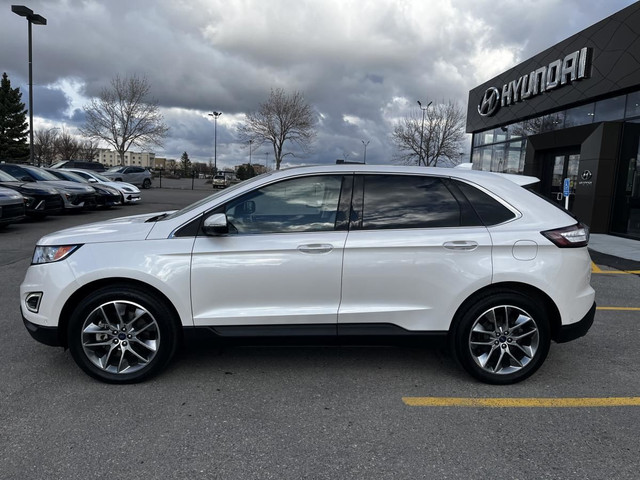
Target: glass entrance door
<point>564,166</point>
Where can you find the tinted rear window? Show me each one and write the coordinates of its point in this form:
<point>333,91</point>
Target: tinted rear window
<point>490,211</point>
<point>399,201</point>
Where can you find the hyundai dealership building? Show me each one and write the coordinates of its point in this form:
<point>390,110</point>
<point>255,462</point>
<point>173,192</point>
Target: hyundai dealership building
<point>571,112</point>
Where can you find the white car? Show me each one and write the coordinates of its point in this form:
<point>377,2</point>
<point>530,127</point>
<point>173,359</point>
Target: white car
<point>130,193</point>
<point>339,252</point>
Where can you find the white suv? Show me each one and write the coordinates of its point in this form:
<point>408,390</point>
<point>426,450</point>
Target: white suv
<point>341,252</point>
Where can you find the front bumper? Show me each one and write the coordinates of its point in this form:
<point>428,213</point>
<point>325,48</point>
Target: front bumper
<point>578,329</point>
<point>47,335</point>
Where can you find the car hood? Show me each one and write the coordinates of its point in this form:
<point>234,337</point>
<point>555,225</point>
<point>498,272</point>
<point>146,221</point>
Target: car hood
<point>124,229</point>
<point>9,196</point>
<point>29,188</point>
<point>122,186</point>
<point>69,186</point>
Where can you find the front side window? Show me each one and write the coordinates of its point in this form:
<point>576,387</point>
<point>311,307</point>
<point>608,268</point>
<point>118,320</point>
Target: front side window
<point>306,204</point>
<point>399,201</point>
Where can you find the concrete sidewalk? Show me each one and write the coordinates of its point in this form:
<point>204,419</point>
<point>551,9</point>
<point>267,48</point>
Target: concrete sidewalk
<point>615,246</point>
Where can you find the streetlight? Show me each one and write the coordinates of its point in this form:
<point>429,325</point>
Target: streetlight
<point>215,116</point>
<point>266,161</point>
<point>365,150</point>
<point>38,20</point>
<point>250,145</point>
<point>424,109</point>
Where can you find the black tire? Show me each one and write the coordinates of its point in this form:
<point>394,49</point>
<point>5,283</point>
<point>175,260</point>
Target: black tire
<point>121,334</point>
<point>146,183</point>
<point>502,337</point>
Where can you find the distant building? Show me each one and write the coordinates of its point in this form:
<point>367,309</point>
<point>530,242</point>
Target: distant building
<point>111,158</point>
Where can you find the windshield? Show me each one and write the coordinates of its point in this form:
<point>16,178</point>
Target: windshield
<point>5,177</point>
<point>74,177</point>
<point>93,175</point>
<point>40,174</point>
<point>197,204</point>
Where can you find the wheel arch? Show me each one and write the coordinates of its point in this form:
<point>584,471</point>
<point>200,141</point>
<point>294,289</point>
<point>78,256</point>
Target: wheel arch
<point>550,307</point>
<point>78,295</point>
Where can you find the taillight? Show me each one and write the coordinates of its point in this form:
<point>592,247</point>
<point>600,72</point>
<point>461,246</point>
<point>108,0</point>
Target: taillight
<point>569,237</point>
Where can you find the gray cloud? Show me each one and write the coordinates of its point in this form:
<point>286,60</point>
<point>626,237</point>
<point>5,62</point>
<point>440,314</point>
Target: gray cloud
<point>360,65</point>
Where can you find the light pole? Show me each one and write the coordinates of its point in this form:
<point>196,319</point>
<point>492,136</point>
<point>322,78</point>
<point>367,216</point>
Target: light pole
<point>365,150</point>
<point>38,20</point>
<point>215,116</point>
<point>250,145</point>
<point>424,109</point>
<point>266,161</point>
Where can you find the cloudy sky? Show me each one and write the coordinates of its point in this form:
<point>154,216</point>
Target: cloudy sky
<point>361,64</point>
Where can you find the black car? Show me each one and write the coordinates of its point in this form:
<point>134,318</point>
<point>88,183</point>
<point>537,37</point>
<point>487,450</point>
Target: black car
<point>40,200</point>
<point>11,207</point>
<point>85,164</point>
<point>106,196</point>
<point>74,195</point>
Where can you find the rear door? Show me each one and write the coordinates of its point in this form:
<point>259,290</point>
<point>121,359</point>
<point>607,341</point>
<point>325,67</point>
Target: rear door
<point>416,249</point>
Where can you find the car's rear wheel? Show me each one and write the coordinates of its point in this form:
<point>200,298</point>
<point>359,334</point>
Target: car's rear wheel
<point>122,334</point>
<point>502,338</point>
<point>146,183</point>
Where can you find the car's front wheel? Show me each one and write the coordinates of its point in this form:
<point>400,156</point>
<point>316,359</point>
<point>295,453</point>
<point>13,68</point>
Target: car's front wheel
<point>122,334</point>
<point>146,183</point>
<point>502,338</point>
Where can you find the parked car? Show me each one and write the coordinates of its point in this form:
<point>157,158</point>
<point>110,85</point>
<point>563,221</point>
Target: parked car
<point>40,200</point>
<point>224,179</point>
<point>135,175</point>
<point>75,196</point>
<point>84,164</point>
<point>106,196</point>
<point>130,193</point>
<point>12,207</point>
<point>340,252</point>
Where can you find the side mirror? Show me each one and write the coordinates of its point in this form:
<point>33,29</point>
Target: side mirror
<point>93,180</point>
<point>215,224</point>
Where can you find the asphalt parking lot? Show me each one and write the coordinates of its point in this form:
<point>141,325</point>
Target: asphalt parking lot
<point>319,412</point>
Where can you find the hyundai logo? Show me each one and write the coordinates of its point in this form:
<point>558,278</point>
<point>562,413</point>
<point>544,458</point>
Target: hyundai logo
<point>490,102</point>
<point>586,175</point>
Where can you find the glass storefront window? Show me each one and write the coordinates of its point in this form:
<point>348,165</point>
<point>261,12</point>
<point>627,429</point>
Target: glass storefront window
<point>610,109</point>
<point>500,134</point>
<point>513,157</point>
<point>633,105</point>
<point>582,115</point>
<point>497,158</point>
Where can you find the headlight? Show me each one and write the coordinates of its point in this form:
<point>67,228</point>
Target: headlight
<point>52,254</point>
<point>29,200</point>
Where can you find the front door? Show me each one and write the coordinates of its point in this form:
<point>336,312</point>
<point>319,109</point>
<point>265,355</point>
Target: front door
<point>558,166</point>
<point>280,263</point>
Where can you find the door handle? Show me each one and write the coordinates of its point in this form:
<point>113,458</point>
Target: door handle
<point>461,245</point>
<point>315,248</point>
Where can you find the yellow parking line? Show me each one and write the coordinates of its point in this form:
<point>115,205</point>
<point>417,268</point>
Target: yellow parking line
<point>628,309</point>
<point>597,270</point>
<point>521,402</point>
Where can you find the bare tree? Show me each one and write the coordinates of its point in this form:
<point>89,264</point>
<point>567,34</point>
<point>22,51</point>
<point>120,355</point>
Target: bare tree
<point>89,150</point>
<point>44,145</point>
<point>282,118</point>
<point>67,146</point>
<point>441,136</point>
<point>123,116</point>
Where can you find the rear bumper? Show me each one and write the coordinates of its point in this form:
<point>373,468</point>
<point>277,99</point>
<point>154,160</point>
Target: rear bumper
<point>578,329</point>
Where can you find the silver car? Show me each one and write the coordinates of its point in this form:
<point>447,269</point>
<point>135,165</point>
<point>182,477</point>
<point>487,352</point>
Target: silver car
<point>135,175</point>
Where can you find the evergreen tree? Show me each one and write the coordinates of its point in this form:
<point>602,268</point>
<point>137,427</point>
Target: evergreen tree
<point>13,123</point>
<point>185,164</point>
